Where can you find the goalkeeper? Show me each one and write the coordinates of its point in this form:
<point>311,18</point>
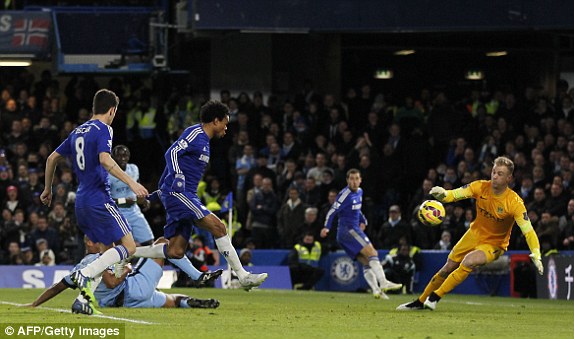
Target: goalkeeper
<point>497,207</point>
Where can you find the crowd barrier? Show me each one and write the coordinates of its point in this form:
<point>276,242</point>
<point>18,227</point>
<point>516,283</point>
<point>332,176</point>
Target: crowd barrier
<point>344,274</point>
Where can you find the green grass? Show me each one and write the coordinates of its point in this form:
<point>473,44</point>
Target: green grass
<point>298,314</point>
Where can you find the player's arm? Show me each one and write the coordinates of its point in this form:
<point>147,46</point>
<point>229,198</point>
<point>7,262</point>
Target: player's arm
<point>333,211</point>
<point>112,167</point>
<point>447,196</point>
<point>522,220</point>
<point>51,292</point>
<point>110,280</point>
<point>51,163</point>
<point>363,221</point>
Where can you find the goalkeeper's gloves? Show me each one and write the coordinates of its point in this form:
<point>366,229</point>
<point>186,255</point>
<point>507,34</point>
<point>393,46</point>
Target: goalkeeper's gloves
<point>537,260</point>
<point>178,184</point>
<point>438,193</point>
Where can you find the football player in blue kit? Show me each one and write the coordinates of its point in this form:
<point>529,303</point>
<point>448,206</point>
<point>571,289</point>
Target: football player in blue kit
<point>89,148</point>
<point>351,237</point>
<point>128,206</point>
<point>186,160</point>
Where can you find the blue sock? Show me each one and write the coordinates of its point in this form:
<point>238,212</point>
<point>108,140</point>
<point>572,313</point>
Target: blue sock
<point>183,303</point>
<point>185,265</point>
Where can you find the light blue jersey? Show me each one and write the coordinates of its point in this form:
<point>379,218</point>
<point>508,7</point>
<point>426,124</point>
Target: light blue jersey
<point>139,288</point>
<point>140,227</point>
<point>83,147</point>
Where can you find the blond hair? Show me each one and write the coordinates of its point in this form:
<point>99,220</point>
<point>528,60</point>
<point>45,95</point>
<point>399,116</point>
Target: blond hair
<point>504,161</point>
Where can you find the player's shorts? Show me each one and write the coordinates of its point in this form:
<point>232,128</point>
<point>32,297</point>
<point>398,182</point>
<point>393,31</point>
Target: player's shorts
<point>102,223</point>
<point>140,227</point>
<point>140,290</point>
<point>181,209</point>
<point>352,240</point>
<point>469,243</point>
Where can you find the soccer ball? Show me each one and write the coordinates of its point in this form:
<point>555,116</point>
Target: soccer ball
<point>431,212</point>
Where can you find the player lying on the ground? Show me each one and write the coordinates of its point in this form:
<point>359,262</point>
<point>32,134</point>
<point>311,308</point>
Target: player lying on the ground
<point>134,288</point>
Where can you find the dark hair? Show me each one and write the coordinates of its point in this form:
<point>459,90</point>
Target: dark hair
<point>352,171</point>
<point>104,99</point>
<point>119,148</point>
<point>213,110</point>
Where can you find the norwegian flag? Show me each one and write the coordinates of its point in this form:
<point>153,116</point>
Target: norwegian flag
<point>31,32</point>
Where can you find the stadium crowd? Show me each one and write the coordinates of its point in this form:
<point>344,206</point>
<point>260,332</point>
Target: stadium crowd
<point>285,159</point>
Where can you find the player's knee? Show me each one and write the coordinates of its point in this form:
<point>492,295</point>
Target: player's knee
<point>218,230</point>
<point>175,253</point>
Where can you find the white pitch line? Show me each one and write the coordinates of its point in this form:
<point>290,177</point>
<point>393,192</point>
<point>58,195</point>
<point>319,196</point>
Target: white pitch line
<point>93,315</point>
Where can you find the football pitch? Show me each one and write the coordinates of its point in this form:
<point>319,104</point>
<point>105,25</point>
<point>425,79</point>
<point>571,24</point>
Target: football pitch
<point>308,314</point>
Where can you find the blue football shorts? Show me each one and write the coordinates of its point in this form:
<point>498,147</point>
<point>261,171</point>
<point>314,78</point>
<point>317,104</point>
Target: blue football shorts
<point>102,223</point>
<point>181,209</point>
<point>352,240</point>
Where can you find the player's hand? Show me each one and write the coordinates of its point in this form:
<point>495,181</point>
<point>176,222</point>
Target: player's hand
<point>324,232</point>
<point>438,193</point>
<point>178,184</point>
<point>46,197</point>
<point>362,226</point>
<point>537,262</point>
<point>139,190</point>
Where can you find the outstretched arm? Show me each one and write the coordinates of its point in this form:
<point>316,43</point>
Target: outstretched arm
<point>446,196</point>
<point>48,294</point>
<point>522,220</point>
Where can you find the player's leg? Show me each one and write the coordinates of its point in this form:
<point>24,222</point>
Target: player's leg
<point>183,301</point>
<point>481,256</point>
<point>141,230</point>
<point>212,223</point>
<point>371,258</point>
<point>103,224</point>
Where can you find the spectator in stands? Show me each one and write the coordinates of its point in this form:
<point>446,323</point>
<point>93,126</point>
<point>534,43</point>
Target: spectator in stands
<point>290,219</point>
<point>304,262</point>
<point>393,229</point>
<point>264,206</point>
<point>311,194</point>
<point>43,231</point>
<point>47,258</point>
<point>445,242</point>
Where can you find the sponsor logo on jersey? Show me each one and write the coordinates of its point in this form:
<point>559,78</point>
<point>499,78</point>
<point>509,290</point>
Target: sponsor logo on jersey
<point>182,143</point>
<point>204,158</point>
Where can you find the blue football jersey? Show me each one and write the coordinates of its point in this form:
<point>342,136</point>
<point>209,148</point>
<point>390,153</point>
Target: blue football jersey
<point>189,156</point>
<point>83,146</point>
<point>348,207</point>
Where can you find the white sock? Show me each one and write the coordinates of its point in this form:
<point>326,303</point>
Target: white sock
<point>228,251</point>
<point>151,251</point>
<point>108,258</point>
<point>377,269</point>
<point>371,279</point>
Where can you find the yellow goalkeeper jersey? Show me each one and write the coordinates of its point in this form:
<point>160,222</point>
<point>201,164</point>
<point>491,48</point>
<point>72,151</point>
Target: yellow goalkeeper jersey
<point>495,214</point>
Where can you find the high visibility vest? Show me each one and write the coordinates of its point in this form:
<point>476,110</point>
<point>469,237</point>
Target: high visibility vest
<point>146,122</point>
<point>309,257</point>
<point>414,250</point>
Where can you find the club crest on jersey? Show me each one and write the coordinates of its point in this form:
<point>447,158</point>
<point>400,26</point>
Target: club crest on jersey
<point>182,143</point>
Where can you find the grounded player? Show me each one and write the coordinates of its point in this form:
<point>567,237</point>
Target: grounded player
<point>127,204</point>
<point>89,147</point>
<point>351,237</point>
<point>134,289</point>
<point>497,207</point>
<point>186,161</point>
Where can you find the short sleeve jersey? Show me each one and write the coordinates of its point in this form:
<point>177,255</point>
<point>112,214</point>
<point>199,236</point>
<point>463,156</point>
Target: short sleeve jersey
<point>83,147</point>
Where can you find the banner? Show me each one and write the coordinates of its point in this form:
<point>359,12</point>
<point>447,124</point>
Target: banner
<point>25,33</point>
<point>558,279</point>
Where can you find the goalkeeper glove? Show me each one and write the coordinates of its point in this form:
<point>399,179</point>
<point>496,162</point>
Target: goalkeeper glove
<point>537,262</point>
<point>178,184</point>
<point>438,193</point>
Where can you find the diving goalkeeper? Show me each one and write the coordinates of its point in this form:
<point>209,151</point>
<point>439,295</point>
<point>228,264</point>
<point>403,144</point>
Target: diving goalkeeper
<point>497,209</point>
